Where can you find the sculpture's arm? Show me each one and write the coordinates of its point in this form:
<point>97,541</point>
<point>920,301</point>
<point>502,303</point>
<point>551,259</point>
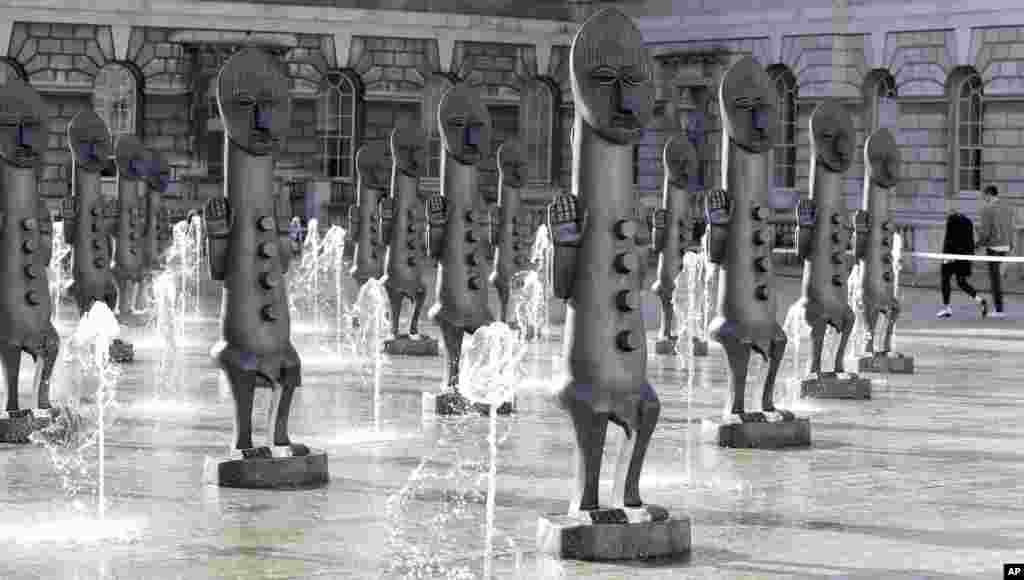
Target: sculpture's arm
<point>45,232</point>
<point>658,222</point>
<point>861,226</point>
<point>217,219</point>
<point>495,228</point>
<point>289,235</point>
<point>69,215</point>
<point>387,220</point>
<point>566,235</point>
<point>437,222</point>
<point>493,222</point>
<point>806,221</point>
<point>353,223</point>
<point>718,212</point>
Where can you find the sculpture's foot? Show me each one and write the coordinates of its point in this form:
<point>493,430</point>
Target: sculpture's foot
<point>406,345</point>
<point>298,467</point>
<point>885,362</point>
<point>745,417</point>
<point>452,402</point>
<point>666,346</point>
<point>778,429</point>
<point>627,533</point>
<point>16,426</point>
<point>506,408</point>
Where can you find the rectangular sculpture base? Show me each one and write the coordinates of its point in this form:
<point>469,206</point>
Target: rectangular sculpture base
<point>452,403</point>
<point>405,346</point>
<point>616,534</point>
<point>16,426</point>
<point>765,435</point>
<point>303,472</point>
<point>830,386</point>
<point>886,363</point>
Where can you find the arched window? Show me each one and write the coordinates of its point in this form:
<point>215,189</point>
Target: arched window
<point>785,146</point>
<point>969,117</point>
<point>337,125</point>
<point>115,99</point>
<point>536,123</point>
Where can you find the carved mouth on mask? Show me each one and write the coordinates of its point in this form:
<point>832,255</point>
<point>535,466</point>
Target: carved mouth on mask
<point>260,136</point>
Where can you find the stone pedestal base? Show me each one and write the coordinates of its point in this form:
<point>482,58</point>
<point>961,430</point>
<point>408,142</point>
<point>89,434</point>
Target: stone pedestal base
<point>833,386</point>
<point>307,471</point>
<point>452,403</point>
<point>121,351</point>
<point>404,346</point>
<point>16,426</point>
<point>765,435</point>
<point>891,363</point>
<point>614,534</point>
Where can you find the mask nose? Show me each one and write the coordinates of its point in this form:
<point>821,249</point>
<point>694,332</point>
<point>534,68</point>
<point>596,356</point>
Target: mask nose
<point>760,119</point>
<point>87,151</point>
<point>628,104</point>
<point>261,119</point>
<point>24,136</point>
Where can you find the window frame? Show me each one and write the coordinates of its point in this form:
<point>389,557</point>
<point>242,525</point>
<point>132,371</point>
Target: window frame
<point>333,161</point>
<point>969,120</point>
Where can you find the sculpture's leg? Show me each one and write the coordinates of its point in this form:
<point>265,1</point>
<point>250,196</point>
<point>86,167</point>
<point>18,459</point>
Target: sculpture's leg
<point>845,330</point>
<point>503,298</point>
<point>395,299</point>
<point>121,298</point>
<point>243,389</point>
<point>417,307</point>
<point>870,326</point>
<point>776,351</point>
<point>891,316</point>
<point>133,297</point>
<point>12,367</point>
<point>818,329</point>
<point>277,420</point>
<point>632,453</point>
<point>667,314</point>
<point>452,336</point>
<point>45,362</point>
<point>738,356</point>
<point>591,428</point>
<point>110,296</point>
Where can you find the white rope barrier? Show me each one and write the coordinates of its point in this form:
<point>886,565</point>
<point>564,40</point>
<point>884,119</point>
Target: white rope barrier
<point>937,256</point>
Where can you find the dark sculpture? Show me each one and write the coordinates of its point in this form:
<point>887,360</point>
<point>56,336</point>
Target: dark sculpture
<point>600,249</point>
<point>513,232</point>
<point>87,216</point>
<point>404,228</point>
<point>156,233</point>
<point>673,225</point>
<point>872,243</point>
<point>458,233</point>
<point>26,234</point>
<point>250,251</point>
<point>373,168</point>
<point>740,237</point>
<point>132,168</point>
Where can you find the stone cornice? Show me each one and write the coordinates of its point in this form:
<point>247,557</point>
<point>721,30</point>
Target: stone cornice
<point>288,19</point>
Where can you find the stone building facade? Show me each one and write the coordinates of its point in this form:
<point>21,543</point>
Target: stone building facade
<point>947,80</point>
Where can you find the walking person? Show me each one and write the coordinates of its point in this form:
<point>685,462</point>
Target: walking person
<point>994,235</point>
<point>959,239</point>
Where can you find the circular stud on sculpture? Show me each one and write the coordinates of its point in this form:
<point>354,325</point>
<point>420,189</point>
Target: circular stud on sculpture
<point>29,224</point>
<point>269,313</point>
<point>625,229</point>
<point>837,258</point>
<point>760,213</point>
<point>762,263</point>
<point>265,223</point>
<point>627,341</point>
<point>268,250</point>
<point>760,238</point>
<point>32,297</point>
<point>626,300</point>
<point>99,263</point>
<point>269,280</point>
<point>761,292</point>
<point>28,246</point>
<point>33,271</point>
<point>625,263</point>
<point>475,283</point>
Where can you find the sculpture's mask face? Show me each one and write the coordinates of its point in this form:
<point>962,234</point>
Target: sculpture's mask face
<point>89,140</point>
<point>22,138</point>
<point>882,158</point>
<point>465,125</point>
<point>408,150</point>
<point>610,70</point>
<point>832,136</point>
<point>131,159</point>
<point>252,95</point>
<point>748,103</point>
<point>511,166</point>
<point>373,165</point>
<point>158,172</point>
<point>680,159</point>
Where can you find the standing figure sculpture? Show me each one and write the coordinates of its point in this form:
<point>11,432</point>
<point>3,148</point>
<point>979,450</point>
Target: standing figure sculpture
<point>157,231</point>
<point>86,214</point>
<point>513,232</point>
<point>739,240</point>
<point>673,225</point>
<point>249,250</point>
<point>364,219</point>
<point>600,248</point>
<point>132,168</point>
<point>26,236</point>
<point>404,229</point>
<point>458,237</point>
<point>872,244</point>
<point>822,239</point>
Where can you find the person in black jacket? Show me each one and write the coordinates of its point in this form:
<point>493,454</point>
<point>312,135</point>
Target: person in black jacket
<point>959,240</point>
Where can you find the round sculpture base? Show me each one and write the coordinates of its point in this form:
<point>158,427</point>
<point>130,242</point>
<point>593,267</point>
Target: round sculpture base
<point>833,386</point>
<point>305,472</point>
<point>889,363</point>
<point>404,346</point>
<point>614,534</point>
<point>765,434</point>
<point>121,351</point>
<point>16,426</point>
<point>453,403</point>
